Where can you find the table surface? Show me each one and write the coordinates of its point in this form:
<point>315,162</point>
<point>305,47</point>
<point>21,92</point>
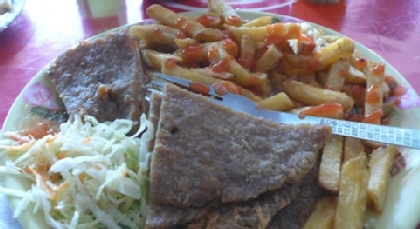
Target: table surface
<point>46,28</point>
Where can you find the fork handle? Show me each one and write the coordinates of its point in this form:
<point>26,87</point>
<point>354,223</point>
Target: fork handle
<point>377,133</point>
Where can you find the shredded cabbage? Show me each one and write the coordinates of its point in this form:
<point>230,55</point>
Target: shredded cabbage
<point>88,175</point>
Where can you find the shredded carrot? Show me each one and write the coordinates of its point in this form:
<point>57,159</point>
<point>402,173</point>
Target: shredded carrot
<point>96,166</point>
<point>18,137</point>
<point>23,147</point>
<point>81,177</point>
<point>39,130</point>
<point>62,154</point>
<point>86,140</point>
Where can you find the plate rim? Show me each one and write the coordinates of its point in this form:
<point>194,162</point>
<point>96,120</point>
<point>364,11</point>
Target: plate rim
<point>18,102</point>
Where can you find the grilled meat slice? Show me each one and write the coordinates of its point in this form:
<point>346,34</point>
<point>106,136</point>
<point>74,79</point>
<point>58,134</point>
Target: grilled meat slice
<point>209,154</point>
<point>294,215</point>
<point>102,78</point>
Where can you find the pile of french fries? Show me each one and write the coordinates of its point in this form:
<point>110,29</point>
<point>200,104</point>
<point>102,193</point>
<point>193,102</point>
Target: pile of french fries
<point>290,67</point>
<point>359,179</point>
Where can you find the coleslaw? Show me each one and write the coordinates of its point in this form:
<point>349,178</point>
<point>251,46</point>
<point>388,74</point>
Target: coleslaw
<point>88,175</point>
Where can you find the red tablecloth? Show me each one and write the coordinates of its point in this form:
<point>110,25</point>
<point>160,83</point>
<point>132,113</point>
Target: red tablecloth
<point>46,28</point>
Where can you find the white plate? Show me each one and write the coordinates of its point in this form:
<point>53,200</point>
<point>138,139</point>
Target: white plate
<point>9,17</point>
<point>403,205</point>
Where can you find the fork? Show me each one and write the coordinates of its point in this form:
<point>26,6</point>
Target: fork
<point>377,133</point>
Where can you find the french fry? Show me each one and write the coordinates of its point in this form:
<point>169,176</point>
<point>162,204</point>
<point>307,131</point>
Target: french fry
<point>154,59</point>
<point>169,67</point>
<point>279,102</point>
<point>380,165</point>
<point>357,92</point>
<point>225,62</point>
<point>278,30</point>
<point>155,35</point>
<point>329,169</point>
<point>268,61</point>
<point>355,76</point>
<point>374,94</point>
<point>306,78</point>
<point>358,60</point>
<point>305,45</point>
<point>321,76</point>
<point>322,217</point>
<point>276,80</point>
<point>331,38</point>
<point>387,108</point>
<point>386,91</point>
<point>211,73</point>
<point>315,84</point>
<point>247,58</point>
<point>208,35</point>
<point>337,75</point>
<point>298,64</point>
<point>236,89</point>
<point>351,209</point>
<point>188,27</point>
<point>353,147</point>
<point>184,42</point>
<point>227,12</point>
<point>199,52</point>
<point>257,34</point>
<point>170,18</point>
<point>301,62</point>
<point>309,95</point>
<point>332,52</point>
<point>259,22</point>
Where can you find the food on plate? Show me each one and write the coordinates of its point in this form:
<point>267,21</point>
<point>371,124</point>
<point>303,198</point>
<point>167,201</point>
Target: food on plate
<point>310,95</point>
<point>225,11</point>
<point>279,102</point>
<point>375,77</point>
<point>259,22</point>
<point>297,213</point>
<point>352,197</point>
<point>154,114</point>
<point>5,6</point>
<point>380,164</point>
<point>329,169</point>
<point>353,147</point>
<point>211,167</point>
<point>258,213</point>
<point>327,110</point>
<point>263,57</point>
<point>337,75</point>
<point>272,32</point>
<point>87,175</point>
<point>103,78</point>
<point>268,61</point>
<point>242,160</point>
<point>153,36</point>
<point>236,137</point>
<point>255,213</point>
<point>334,51</point>
<point>188,27</point>
<point>323,215</point>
